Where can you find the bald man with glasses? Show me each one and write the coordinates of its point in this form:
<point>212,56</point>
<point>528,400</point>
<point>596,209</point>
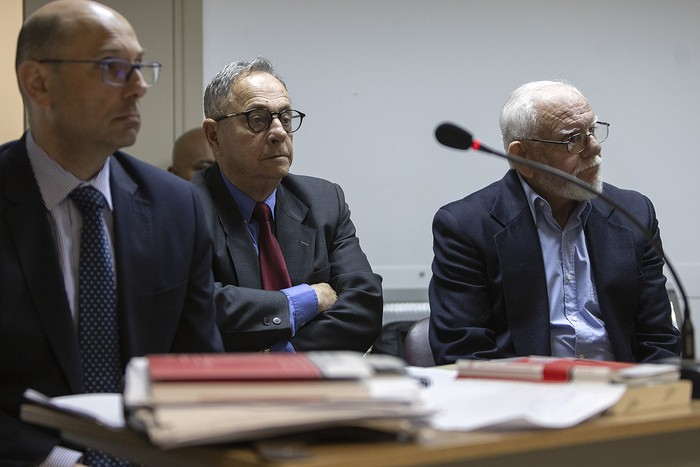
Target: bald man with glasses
<point>290,274</point>
<point>536,265</point>
<point>102,256</point>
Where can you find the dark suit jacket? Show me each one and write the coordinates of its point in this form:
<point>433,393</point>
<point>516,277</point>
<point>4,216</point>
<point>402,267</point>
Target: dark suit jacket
<point>318,241</point>
<point>488,293</point>
<point>165,287</point>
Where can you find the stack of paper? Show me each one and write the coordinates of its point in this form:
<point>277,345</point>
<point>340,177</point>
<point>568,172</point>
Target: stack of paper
<point>464,404</point>
<point>181,400</point>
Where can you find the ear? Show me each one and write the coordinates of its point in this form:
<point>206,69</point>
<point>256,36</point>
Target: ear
<point>33,78</point>
<point>517,148</point>
<point>211,132</point>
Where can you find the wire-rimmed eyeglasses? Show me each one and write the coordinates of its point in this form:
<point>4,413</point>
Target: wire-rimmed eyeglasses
<point>578,142</point>
<point>260,120</point>
<point>117,71</point>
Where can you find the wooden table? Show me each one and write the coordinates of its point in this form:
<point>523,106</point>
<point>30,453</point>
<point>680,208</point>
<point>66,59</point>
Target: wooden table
<point>653,439</point>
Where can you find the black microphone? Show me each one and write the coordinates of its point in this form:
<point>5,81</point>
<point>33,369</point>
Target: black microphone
<point>453,136</point>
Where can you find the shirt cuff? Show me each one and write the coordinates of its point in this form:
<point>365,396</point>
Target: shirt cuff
<point>303,305</point>
<point>61,457</point>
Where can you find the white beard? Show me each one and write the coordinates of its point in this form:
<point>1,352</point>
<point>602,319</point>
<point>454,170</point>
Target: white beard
<point>558,186</point>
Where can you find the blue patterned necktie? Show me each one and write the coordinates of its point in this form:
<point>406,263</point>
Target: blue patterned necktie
<point>98,329</point>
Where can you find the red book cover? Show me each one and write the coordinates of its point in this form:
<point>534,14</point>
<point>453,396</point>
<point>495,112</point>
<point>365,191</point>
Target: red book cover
<point>232,367</point>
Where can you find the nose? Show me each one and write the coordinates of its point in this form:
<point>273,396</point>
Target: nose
<point>276,132</point>
<point>592,146</point>
<point>135,84</point>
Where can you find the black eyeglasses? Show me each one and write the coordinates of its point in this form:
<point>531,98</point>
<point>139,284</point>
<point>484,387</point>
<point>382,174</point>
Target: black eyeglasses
<point>117,71</point>
<point>260,120</point>
<point>578,142</point>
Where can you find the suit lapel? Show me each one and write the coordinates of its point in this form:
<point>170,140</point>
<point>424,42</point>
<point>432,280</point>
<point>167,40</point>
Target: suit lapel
<point>522,266</point>
<point>297,241</point>
<point>133,241</point>
<point>236,235</point>
<point>613,252</point>
<point>29,226</point>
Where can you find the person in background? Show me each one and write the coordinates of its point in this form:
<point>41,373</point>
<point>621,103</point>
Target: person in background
<point>290,274</point>
<point>191,153</point>
<point>102,257</point>
<point>536,265</point>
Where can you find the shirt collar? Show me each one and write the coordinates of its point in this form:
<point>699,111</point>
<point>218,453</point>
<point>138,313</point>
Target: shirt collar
<point>245,203</point>
<point>55,182</point>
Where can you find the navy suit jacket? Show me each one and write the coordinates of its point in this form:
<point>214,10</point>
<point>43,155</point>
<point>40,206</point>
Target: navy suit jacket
<point>318,242</point>
<point>488,293</point>
<point>165,288</point>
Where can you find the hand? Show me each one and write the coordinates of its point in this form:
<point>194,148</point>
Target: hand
<point>326,296</point>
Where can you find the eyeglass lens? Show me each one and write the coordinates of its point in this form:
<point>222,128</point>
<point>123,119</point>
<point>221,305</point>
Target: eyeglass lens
<point>261,119</point>
<point>578,142</point>
<point>118,72</point>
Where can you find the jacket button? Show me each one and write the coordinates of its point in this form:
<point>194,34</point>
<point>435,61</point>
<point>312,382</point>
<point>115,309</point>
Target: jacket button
<point>266,321</point>
<point>276,320</point>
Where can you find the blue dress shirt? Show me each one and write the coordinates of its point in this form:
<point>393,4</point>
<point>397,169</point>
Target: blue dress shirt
<point>577,328</point>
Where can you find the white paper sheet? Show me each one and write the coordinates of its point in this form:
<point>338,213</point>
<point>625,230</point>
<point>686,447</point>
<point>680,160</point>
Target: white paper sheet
<point>106,409</point>
<point>470,404</point>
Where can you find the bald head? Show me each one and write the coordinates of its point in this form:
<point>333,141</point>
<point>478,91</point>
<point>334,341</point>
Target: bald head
<point>191,153</point>
<point>520,116</point>
<point>75,113</point>
<point>58,25</point>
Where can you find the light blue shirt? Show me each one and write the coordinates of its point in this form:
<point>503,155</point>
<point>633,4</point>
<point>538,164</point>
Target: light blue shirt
<point>576,325</point>
<point>302,299</point>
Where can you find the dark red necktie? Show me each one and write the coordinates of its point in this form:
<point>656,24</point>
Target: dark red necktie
<point>273,269</point>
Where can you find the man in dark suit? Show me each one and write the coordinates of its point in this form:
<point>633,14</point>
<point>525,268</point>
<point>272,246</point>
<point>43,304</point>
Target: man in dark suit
<point>535,265</point>
<point>80,70</point>
<point>332,300</point>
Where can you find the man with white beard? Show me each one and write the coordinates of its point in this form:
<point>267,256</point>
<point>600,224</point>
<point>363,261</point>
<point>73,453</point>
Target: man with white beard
<point>536,265</point>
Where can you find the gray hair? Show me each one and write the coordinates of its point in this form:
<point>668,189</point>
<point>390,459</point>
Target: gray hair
<point>218,92</point>
<point>518,118</point>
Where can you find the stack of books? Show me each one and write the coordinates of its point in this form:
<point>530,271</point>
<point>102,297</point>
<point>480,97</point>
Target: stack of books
<point>191,399</point>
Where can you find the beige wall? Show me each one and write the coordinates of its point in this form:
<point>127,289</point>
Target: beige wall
<point>12,114</point>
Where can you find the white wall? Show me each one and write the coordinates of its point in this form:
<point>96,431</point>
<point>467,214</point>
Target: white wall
<point>376,76</point>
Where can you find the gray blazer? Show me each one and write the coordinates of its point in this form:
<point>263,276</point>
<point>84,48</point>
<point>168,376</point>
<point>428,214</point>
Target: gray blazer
<point>318,241</point>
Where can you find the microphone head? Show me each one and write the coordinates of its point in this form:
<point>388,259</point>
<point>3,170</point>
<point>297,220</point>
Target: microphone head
<point>453,136</point>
